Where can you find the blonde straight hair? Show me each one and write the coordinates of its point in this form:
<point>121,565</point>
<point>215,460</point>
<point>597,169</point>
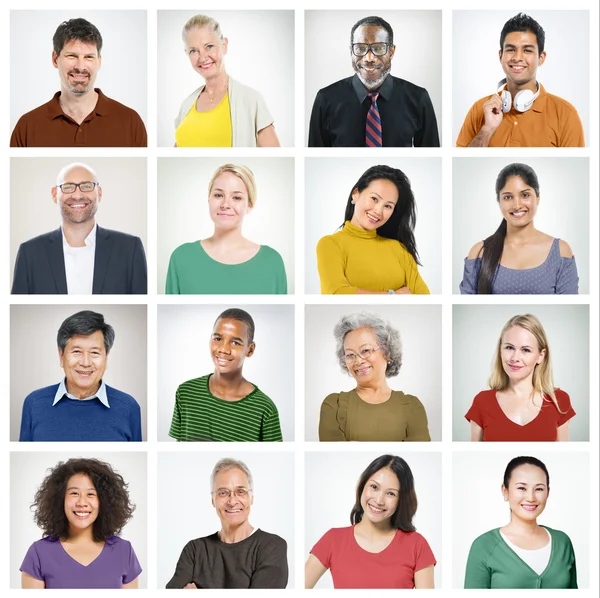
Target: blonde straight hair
<point>543,382</point>
<point>243,173</point>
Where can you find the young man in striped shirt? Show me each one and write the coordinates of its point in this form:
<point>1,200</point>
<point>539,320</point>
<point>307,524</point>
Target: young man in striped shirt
<point>224,406</point>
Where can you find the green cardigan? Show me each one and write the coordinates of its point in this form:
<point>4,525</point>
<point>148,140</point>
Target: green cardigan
<point>493,564</point>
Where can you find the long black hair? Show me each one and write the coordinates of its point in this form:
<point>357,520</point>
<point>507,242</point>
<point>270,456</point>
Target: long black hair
<point>494,245</point>
<point>401,224</point>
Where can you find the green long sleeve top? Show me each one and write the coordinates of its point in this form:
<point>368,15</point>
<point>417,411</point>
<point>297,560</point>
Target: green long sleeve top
<point>492,563</point>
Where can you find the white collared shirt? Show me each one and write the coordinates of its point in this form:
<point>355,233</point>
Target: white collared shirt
<point>61,393</point>
<point>79,264</point>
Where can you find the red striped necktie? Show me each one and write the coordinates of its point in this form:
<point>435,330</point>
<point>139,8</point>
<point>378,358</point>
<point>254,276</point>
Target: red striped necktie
<point>373,132</point>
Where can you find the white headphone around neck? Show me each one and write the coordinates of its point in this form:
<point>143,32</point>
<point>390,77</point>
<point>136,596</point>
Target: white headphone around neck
<point>523,100</point>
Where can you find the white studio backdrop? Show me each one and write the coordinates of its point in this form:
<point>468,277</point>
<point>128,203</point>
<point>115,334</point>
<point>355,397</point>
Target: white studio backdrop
<point>122,76</point>
<point>28,469</point>
<point>260,54</point>
<point>329,182</point>
<point>563,211</point>
<point>476,330</point>
<point>476,67</point>
<point>183,206</point>
<point>330,491</point>
<point>328,58</point>
<point>33,330</point>
<point>420,328</point>
<point>478,505</point>
<point>184,333</point>
<point>195,517</point>
<point>33,212</point>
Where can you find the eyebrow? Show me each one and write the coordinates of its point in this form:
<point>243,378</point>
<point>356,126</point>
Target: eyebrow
<point>233,338</point>
<point>511,46</point>
<point>77,488</point>
<point>223,190</point>
<point>91,348</point>
<point>371,481</point>
<point>525,484</point>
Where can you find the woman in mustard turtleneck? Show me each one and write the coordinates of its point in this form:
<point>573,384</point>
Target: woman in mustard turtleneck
<point>375,250</point>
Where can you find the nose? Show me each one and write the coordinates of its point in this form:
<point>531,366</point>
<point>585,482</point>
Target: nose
<point>530,495</point>
<point>372,58</point>
<point>85,358</point>
<point>81,500</point>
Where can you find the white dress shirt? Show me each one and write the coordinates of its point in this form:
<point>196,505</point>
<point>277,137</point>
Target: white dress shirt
<point>79,264</point>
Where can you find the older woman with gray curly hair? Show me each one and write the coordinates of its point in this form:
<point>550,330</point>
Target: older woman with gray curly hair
<point>370,350</point>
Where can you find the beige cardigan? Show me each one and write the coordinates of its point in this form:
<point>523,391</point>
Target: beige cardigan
<point>249,112</point>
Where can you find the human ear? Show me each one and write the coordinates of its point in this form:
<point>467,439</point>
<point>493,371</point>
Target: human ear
<point>542,58</point>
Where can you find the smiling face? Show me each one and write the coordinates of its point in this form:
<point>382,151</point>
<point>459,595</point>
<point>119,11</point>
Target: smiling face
<point>520,353</point>
<point>527,492</point>
<point>84,362</point>
<point>364,368</point>
<point>380,496</point>
<point>232,497</point>
<point>206,51</point>
<point>520,58</point>
<point>228,201</point>
<point>372,70</point>
<point>81,503</point>
<point>77,206</point>
<point>78,64</point>
<point>374,205</point>
<point>518,202</point>
<point>229,345</point>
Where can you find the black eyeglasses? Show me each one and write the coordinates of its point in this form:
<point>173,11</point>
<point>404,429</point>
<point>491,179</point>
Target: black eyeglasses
<point>378,49</point>
<point>84,187</point>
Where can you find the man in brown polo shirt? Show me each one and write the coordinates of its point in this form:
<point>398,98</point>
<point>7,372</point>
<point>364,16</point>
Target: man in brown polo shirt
<point>79,115</point>
<point>530,117</point>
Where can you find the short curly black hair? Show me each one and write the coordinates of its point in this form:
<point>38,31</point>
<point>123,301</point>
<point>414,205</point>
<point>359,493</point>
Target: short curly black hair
<point>522,23</point>
<point>115,507</point>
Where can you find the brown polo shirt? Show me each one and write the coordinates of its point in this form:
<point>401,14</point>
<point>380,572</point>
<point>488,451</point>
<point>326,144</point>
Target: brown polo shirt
<point>550,122</point>
<point>110,124</point>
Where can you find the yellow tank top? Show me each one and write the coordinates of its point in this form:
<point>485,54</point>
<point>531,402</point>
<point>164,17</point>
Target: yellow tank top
<point>206,129</point>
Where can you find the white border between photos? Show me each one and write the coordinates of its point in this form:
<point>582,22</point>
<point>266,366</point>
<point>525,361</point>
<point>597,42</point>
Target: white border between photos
<point>299,152</point>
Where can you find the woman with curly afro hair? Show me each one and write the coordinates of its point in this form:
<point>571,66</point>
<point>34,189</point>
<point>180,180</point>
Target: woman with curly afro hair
<point>82,505</point>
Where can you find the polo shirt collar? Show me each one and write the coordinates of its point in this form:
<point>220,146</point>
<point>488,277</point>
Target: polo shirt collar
<point>101,108</point>
<point>61,393</point>
<point>385,89</point>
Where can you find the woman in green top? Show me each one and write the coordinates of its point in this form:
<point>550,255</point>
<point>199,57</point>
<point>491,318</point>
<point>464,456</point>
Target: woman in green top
<point>523,554</point>
<point>369,349</point>
<point>227,263</point>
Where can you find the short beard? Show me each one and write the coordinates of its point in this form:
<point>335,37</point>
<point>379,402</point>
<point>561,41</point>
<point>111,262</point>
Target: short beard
<point>370,85</point>
<point>78,89</point>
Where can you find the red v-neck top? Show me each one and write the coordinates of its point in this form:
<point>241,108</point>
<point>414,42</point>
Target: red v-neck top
<point>488,415</point>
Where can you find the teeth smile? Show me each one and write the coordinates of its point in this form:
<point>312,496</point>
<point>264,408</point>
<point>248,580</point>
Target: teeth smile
<point>233,511</point>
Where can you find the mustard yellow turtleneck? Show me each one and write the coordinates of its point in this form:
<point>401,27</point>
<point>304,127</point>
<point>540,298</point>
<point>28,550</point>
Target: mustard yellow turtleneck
<point>354,258</point>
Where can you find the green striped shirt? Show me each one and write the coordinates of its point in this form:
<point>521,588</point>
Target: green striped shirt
<point>200,416</point>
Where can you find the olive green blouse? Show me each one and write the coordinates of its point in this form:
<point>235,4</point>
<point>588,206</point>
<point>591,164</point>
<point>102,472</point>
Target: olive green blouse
<point>345,416</point>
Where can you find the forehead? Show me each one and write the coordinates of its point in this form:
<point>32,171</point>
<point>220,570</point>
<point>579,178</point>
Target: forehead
<point>198,36</point>
<point>229,181</point>
<point>521,38</point>
<point>360,336</point>
<point>528,473</point>
<point>369,34</point>
<point>520,336</point>
<point>515,182</point>
<point>76,46</point>
<point>80,480</point>
<point>231,327</point>
<point>387,478</point>
<point>94,340</point>
<point>231,478</point>
<point>78,174</point>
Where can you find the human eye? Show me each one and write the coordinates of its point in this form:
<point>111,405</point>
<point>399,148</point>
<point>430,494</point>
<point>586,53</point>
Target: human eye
<point>192,51</point>
<point>242,492</point>
<point>374,199</point>
<point>392,494</point>
<point>349,356</point>
<point>373,485</point>
<point>389,206</point>
<point>209,46</point>
<point>238,197</point>
<point>366,352</point>
<point>521,488</point>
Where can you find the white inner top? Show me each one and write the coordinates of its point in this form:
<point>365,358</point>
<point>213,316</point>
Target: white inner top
<point>79,265</point>
<point>537,559</point>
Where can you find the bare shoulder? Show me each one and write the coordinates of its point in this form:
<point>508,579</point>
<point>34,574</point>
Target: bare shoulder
<point>476,251</point>
<point>565,249</point>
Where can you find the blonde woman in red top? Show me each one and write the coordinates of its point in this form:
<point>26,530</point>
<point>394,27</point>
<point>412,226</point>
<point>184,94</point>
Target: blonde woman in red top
<point>522,403</point>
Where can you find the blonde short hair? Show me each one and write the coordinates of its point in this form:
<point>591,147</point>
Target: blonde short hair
<point>243,173</point>
<point>198,21</point>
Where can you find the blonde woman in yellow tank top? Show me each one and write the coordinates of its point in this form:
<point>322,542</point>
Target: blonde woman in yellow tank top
<point>222,112</point>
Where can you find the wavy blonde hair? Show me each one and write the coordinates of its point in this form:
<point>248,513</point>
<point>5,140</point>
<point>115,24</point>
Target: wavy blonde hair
<point>243,173</point>
<point>543,382</point>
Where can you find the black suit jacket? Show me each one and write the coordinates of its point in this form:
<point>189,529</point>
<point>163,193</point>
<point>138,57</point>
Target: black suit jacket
<point>119,265</point>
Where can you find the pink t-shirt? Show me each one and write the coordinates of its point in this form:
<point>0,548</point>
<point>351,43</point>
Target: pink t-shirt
<point>353,567</point>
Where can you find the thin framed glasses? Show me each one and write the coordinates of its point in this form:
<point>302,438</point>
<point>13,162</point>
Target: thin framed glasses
<point>378,49</point>
<point>364,354</point>
<point>84,187</point>
<point>224,493</point>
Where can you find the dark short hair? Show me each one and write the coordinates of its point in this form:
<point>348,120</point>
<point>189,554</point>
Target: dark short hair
<point>85,323</point>
<point>115,507</point>
<point>76,29</point>
<point>517,462</point>
<point>401,224</point>
<point>379,22</point>
<point>523,22</point>
<point>407,501</point>
<point>235,313</point>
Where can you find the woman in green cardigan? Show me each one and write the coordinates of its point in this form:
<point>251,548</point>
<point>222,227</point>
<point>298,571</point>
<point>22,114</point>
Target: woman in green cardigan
<point>523,554</point>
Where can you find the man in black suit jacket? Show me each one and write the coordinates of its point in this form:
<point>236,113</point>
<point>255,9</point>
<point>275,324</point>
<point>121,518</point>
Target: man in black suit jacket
<point>80,257</point>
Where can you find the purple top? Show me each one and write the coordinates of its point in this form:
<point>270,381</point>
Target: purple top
<point>116,565</point>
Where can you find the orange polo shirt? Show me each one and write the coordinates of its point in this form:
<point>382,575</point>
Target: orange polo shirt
<point>550,122</point>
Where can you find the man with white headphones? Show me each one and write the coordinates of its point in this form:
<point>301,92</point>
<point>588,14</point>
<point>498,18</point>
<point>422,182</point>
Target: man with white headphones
<point>521,112</point>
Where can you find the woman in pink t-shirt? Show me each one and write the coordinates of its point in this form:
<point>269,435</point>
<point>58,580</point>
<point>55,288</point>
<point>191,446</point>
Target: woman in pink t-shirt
<point>381,549</point>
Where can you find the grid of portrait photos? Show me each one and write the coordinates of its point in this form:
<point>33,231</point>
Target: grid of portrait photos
<point>301,295</point>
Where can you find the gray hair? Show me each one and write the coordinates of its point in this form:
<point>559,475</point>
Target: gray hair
<point>199,21</point>
<point>388,339</point>
<point>225,465</point>
<point>84,323</point>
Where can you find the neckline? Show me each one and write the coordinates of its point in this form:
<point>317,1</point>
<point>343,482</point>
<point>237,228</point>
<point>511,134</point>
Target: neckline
<point>554,242</point>
<point>363,402</point>
<point>213,107</point>
<point>552,552</point>
<point>512,421</point>
<point>212,259</point>
<point>356,231</point>
<point>366,551</point>
<point>76,561</point>
<point>514,547</point>
<point>225,400</point>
